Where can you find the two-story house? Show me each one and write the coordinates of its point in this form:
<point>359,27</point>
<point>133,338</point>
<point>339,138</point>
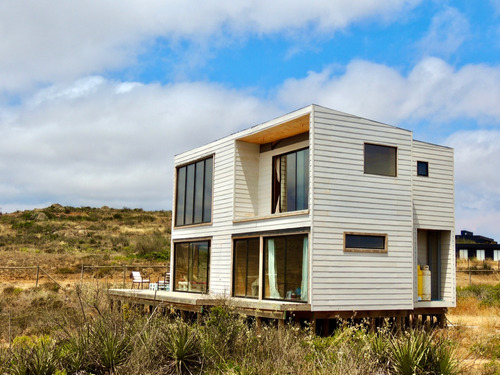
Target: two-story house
<point>318,212</point>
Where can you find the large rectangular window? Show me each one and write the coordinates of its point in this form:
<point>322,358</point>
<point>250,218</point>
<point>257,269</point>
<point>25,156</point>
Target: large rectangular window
<point>286,267</point>
<point>191,260</point>
<point>371,243</point>
<point>194,193</point>
<point>246,267</point>
<point>291,181</point>
<point>381,160</point>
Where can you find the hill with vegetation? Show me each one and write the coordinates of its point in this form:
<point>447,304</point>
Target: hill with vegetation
<point>65,237</point>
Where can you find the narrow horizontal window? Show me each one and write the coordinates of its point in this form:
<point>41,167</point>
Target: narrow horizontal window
<point>380,160</point>
<point>422,168</point>
<point>372,243</point>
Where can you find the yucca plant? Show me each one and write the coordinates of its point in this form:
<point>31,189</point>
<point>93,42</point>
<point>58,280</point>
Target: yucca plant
<point>110,345</point>
<point>183,353</point>
<point>409,353</point>
<point>34,356</point>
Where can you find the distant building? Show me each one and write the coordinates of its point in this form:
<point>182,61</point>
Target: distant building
<point>468,246</point>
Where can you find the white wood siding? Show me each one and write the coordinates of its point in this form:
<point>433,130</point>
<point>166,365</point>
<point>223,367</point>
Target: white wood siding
<point>434,206</point>
<point>232,169</point>
<point>347,200</point>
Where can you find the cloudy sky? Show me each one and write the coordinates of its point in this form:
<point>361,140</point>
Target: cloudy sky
<point>96,97</point>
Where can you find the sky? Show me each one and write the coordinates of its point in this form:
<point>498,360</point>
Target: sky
<point>96,97</point>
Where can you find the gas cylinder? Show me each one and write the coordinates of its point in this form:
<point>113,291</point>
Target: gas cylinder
<point>419,283</point>
<point>426,283</point>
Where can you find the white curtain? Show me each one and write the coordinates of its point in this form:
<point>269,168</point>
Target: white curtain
<point>278,178</point>
<point>305,263</point>
<point>273,282</point>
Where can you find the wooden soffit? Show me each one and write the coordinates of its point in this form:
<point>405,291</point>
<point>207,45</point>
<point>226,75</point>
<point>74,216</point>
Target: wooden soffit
<point>287,129</point>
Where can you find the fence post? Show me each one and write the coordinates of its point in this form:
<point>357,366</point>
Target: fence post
<point>37,275</point>
<point>468,266</point>
<point>81,276</point>
<point>124,272</point>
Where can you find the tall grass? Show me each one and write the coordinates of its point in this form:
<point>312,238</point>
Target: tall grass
<point>101,341</point>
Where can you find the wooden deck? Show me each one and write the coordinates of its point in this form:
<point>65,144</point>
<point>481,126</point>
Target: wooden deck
<point>281,311</point>
<point>194,302</point>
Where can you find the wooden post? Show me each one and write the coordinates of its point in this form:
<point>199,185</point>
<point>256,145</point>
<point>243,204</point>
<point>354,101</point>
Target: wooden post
<point>468,266</point>
<point>325,328</point>
<point>281,324</point>
<point>442,321</point>
<point>373,325</point>
<point>258,323</point>
<point>398,324</point>
<point>124,272</point>
<point>37,275</point>
<point>81,276</point>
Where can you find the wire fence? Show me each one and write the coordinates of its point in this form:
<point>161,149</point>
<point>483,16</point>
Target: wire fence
<point>477,270</point>
<point>117,275</point>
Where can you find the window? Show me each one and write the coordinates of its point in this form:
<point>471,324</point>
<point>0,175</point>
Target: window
<point>422,168</point>
<point>191,266</point>
<point>370,243</point>
<point>291,181</point>
<point>480,255</point>
<point>194,193</point>
<point>380,160</point>
<point>463,253</point>
<point>285,267</point>
<point>246,267</point>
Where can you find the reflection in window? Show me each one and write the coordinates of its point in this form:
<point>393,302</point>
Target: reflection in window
<point>191,266</point>
<point>368,242</point>
<point>246,267</point>
<point>194,193</point>
<point>291,181</point>
<point>285,267</point>
<point>422,168</point>
<point>380,160</point>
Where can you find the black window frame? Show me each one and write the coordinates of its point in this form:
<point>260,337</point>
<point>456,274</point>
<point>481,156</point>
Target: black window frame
<point>371,168</point>
<point>188,208</point>
<point>191,243</point>
<point>276,196</point>
<point>350,239</point>
<point>265,264</point>
<point>423,164</point>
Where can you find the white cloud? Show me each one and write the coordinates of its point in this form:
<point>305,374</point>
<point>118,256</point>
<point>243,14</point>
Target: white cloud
<point>98,142</point>
<point>448,30</point>
<point>59,40</point>
<point>477,181</point>
<point>433,91</point>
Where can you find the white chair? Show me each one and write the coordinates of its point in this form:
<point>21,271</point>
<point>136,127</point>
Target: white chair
<point>137,279</point>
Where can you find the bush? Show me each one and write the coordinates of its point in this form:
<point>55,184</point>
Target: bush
<point>153,246</point>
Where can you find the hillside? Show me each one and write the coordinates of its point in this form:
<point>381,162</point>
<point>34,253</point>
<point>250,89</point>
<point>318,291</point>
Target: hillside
<point>62,238</point>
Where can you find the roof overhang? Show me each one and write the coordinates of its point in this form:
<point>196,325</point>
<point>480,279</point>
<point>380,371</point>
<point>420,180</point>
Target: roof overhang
<point>283,130</point>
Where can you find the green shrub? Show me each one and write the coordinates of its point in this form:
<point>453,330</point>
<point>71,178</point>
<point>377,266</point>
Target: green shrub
<point>34,356</point>
<point>153,246</point>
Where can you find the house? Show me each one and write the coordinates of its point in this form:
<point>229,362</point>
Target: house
<point>318,212</point>
<point>468,246</point>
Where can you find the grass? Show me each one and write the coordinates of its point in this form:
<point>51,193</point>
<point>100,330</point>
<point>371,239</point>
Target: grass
<point>76,332</point>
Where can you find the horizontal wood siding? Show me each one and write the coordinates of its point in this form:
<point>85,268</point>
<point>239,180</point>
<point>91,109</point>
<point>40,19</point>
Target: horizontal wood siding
<point>434,206</point>
<point>433,196</point>
<point>246,180</point>
<point>237,188</point>
<point>348,200</point>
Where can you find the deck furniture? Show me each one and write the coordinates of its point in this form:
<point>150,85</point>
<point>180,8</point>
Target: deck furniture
<point>138,279</point>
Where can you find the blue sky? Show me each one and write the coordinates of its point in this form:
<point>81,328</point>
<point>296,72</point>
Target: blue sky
<point>97,97</point>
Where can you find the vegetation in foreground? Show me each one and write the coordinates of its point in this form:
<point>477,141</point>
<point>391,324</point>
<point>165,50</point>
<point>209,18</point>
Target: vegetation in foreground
<point>130,343</point>
<point>75,332</point>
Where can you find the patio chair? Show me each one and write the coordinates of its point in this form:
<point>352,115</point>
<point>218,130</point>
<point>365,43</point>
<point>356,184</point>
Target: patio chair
<point>137,279</point>
<point>164,283</point>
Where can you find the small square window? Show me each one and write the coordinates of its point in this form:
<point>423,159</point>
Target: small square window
<point>380,160</point>
<point>422,168</point>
